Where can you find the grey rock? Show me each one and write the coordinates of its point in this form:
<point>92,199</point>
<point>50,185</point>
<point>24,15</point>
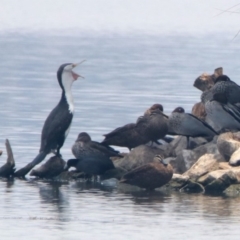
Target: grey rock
<point>187,158</point>
<point>193,187</point>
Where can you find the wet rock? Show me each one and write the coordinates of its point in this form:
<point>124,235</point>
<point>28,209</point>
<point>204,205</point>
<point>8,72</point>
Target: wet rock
<point>51,168</point>
<point>235,158</point>
<point>228,143</point>
<point>178,181</point>
<point>8,169</point>
<point>218,180</point>
<point>205,164</point>
<point>193,187</point>
<point>137,157</point>
<point>233,190</point>
<point>112,182</point>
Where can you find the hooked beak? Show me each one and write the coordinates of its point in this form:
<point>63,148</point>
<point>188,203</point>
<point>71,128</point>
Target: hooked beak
<point>75,75</point>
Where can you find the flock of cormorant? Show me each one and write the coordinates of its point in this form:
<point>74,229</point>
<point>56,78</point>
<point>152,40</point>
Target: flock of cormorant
<point>218,111</point>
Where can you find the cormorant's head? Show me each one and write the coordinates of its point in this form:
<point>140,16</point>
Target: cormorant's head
<point>66,76</point>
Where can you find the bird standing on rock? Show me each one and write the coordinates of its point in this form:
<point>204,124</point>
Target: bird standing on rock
<point>151,175</point>
<point>185,124</point>
<point>92,157</point>
<point>150,127</point>
<point>58,122</point>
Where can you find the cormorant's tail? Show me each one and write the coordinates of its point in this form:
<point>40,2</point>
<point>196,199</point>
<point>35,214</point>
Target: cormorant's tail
<point>38,158</point>
<point>23,171</point>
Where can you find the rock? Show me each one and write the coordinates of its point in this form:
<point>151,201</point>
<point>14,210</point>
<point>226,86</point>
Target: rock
<point>178,181</point>
<point>235,158</point>
<point>224,166</point>
<point>233,190</point>
<point>193,187</point>
<point>236,171</point>
<point>228,143</point>
<point>218,180</point>
<point>51,168</point>
<point>1,152</point>
<point>177,145</point>
<point>137,157</point>
<point>205,164</point>
<point>187,158</point>
<point>8,169</point>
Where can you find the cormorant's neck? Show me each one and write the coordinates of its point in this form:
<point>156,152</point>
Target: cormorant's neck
<point>67,80</point>
<point>67,98</point>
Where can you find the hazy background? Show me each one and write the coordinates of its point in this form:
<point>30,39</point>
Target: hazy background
<point>153,16</point>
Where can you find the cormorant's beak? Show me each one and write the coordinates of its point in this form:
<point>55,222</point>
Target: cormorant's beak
<point>75,75</point>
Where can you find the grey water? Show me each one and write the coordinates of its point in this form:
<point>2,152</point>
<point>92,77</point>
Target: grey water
<point>123,75</point>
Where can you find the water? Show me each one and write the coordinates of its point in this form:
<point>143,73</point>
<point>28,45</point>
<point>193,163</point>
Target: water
<point>124,75</point>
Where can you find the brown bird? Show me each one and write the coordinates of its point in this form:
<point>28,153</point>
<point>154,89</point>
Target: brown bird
<point>199,111</point>
<point>150,127</point>
<point>151,175</point>
<point>52,168</point>
<point>154,107</point>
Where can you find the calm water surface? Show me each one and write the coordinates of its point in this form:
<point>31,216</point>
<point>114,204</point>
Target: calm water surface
<point>124,75</point>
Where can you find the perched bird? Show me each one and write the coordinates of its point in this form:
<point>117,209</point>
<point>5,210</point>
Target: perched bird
<point>8,168</point>
<point>51,168</point>
<point>199,111</point>
<point>151,175</point>
<point>154,126</point>
<point>150,127</point>
<point>125,136</point>
<point>92,158</point>
<point>154,107</point>
<point>57,124</point>
<point>222,115</point>
<point>185,124</point>
<point>223,85</point>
